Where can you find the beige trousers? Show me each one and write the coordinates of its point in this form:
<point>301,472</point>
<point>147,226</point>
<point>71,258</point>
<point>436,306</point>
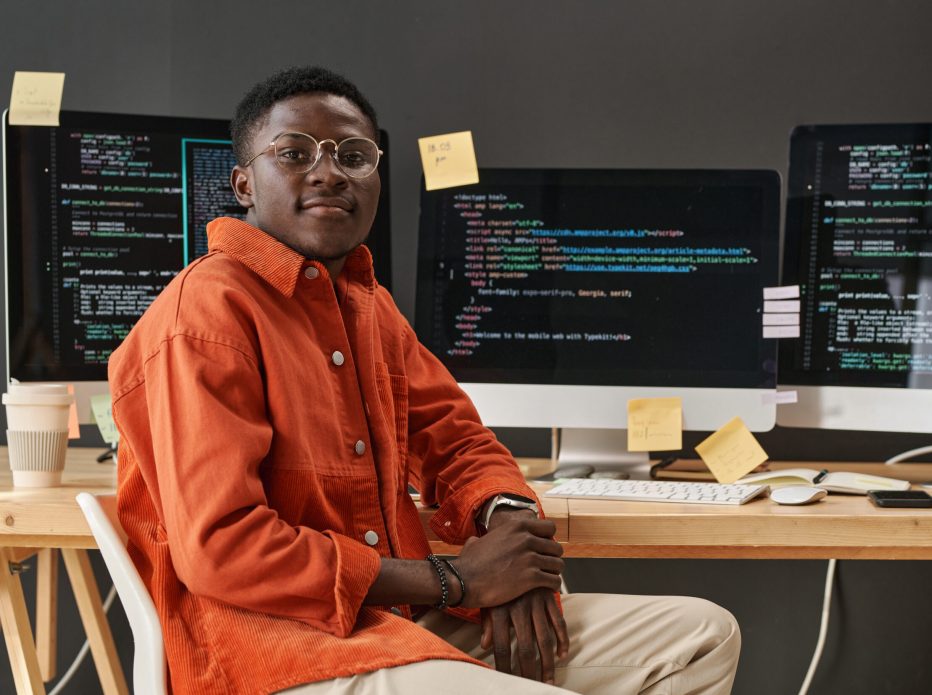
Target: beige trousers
<point>656,645</point>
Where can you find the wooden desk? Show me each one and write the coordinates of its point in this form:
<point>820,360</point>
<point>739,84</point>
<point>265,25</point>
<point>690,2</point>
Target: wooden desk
<point>42,522</point>
<point>840,526</point>
<point>844,527</point>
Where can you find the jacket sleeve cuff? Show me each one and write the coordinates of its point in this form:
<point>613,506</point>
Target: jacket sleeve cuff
<point>356,571</point>
<point>455,520</point>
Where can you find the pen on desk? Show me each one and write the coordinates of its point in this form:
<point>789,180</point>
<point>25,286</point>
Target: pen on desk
<point>660,465</point>
<point>820,476</point>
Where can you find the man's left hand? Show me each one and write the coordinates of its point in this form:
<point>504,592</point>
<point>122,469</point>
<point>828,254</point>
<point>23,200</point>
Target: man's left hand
<point>540,634</point>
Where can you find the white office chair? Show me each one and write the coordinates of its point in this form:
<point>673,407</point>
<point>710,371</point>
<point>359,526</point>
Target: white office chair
<point>149,669</point>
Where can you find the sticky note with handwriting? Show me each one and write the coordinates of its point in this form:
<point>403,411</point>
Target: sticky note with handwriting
<point>655,424</point>
<point>36,98</point>
<point>103,414</point>
<point>448,160</point>
<point>731,452</point>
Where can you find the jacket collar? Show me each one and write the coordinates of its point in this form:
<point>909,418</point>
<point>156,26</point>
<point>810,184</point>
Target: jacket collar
<point>272,260</point>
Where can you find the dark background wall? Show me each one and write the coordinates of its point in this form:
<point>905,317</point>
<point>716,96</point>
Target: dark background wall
<point>562,84</point>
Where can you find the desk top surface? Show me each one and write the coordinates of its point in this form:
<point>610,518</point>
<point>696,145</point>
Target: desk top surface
<point>838,526</point>
<point>50,517</point>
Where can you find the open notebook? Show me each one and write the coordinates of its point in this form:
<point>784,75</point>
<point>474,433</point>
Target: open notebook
<point>838,481</point>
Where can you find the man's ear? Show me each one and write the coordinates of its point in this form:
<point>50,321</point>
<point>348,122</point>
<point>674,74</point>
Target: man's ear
<point>242,186</point>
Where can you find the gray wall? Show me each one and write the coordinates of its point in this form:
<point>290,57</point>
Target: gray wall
<point>577,84</point>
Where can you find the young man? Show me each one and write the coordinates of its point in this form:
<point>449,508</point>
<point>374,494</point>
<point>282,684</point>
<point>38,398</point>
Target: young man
<point>274,405</point>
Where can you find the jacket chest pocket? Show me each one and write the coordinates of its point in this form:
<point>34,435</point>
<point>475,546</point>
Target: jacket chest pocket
<point>314,433</point>
<point>393,398</point>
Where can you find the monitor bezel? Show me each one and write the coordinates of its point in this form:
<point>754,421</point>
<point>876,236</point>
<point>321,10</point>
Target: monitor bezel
<point>593,406</point>
<point>13,214</point>
<point>193,127</point>
<point>822,401</point>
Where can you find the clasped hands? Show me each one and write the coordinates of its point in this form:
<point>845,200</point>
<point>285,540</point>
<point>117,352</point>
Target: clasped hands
<point>512,574</point>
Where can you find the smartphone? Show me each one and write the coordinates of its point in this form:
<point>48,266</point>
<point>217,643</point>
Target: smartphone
<point>900,498</point>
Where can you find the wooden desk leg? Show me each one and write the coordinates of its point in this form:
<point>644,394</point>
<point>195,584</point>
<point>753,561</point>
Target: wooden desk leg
<point>95,622</point>
<point>15,622</point>
<point>47,611</point>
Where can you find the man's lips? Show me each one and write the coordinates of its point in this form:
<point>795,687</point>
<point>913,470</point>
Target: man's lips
<point>327,204</point>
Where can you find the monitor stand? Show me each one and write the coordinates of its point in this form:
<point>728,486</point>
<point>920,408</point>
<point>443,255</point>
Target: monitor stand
<point>603,449</point>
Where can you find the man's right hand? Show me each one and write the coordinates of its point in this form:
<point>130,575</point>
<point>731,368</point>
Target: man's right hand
<point>513,558</point>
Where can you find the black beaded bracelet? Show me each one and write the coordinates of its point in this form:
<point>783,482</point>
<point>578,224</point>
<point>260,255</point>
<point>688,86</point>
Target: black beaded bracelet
<point>444,591</point>
<point>459,577</point>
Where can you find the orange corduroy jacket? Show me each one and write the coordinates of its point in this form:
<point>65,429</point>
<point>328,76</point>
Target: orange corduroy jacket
<point>270,422</point>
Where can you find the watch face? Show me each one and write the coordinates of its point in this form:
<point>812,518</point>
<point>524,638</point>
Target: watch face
<point>505,501</point>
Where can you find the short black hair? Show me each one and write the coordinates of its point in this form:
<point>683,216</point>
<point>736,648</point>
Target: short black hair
<point>259,100</point>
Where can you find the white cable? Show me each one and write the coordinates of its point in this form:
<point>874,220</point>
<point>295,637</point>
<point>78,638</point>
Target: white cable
<point>823,628</point>
<point>82,652</point>
<point>908,455</point>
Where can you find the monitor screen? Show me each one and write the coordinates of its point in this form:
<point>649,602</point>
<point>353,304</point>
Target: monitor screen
<point>859,244</point>
<point>101,213</point>
<point>553,296</point>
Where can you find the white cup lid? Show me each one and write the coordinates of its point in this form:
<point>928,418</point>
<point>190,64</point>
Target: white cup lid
<point>37,394</point>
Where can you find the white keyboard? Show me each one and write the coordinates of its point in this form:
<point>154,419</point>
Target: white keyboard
<point>655,491</point>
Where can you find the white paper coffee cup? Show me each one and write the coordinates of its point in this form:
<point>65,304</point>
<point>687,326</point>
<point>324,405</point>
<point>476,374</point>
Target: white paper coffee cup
<point>37,432</point>
<point>37,459</point>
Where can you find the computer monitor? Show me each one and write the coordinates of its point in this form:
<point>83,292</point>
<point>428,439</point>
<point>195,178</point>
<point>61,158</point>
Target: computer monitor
<point>859,244</point>
<point>555,296</point>
<point>100,213</point>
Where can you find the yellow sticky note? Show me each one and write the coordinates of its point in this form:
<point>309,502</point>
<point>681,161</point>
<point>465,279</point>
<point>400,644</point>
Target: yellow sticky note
<point>103,415</point>
<point>731,452</point>
<point>448,160</point>
<point>655,424</point>
<point>74,429</point>
<point>36,98</point>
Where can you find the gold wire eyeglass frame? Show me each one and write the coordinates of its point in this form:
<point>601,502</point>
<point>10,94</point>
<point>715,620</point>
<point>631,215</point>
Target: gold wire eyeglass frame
<point>320,149</point>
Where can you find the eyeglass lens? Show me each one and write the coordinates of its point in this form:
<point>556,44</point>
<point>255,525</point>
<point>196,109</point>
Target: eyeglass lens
<point>356,157</point>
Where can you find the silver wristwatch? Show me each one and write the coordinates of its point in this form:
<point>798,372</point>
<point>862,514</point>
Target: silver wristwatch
<point>508,500</point>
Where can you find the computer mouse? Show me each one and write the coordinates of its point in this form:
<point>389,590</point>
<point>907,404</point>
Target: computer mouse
<point>797,494</point>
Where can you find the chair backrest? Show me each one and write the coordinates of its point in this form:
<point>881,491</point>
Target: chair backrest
<point>149,669</point>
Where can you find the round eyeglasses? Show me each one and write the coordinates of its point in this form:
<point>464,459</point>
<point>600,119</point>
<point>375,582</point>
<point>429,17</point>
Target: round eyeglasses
<point>298,153</point>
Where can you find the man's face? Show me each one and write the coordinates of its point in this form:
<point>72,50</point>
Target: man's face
<point>322,214</point>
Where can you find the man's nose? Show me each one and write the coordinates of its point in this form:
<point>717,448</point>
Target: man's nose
<point>327,170</point>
